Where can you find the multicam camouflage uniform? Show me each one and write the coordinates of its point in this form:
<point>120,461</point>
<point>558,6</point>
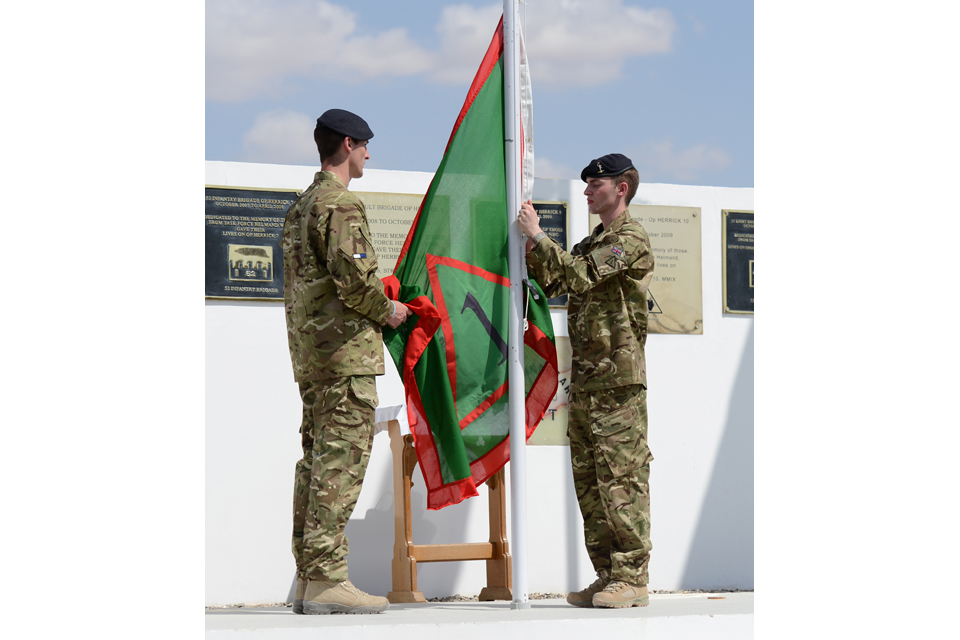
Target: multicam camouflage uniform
<point>606,276</point>
<point>335,306</point>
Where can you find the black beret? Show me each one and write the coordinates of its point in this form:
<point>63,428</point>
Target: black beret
<point>345,123</point>
<point>612,164</point>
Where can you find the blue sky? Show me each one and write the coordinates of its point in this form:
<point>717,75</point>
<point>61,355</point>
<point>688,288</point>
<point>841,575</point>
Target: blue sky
<point>669,83</point>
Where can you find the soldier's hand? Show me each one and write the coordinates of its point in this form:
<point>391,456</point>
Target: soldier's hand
<point>528,220</point>
<point>401,315</point>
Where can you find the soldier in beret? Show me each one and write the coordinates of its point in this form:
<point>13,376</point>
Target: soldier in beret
<point>606,276</point>
<point>335,306</point>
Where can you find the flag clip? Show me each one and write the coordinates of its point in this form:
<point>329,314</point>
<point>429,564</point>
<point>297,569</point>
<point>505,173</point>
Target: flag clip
<point>526,307</point>
<point>533,290</point>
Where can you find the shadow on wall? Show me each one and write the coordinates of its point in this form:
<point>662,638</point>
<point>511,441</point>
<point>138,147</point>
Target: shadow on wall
<point>721,555</point>
<point>372,537</point>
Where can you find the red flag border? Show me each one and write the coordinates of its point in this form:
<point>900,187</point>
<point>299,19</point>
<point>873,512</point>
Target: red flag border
<point>432,263</point>
<point>537,402</point>
<point>541,392</point>
<point>490,59</point>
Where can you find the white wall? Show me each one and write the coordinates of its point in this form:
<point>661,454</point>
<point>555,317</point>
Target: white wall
<point>700,403</point>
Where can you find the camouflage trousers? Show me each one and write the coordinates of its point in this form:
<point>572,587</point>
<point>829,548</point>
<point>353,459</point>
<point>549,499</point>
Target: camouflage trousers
<point>611,472</point>
<point>336,434</point>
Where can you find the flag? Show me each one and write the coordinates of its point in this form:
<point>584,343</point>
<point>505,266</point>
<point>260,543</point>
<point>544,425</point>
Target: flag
<point>453,274</point>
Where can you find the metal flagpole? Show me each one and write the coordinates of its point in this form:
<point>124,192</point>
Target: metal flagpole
<point>517,265</point>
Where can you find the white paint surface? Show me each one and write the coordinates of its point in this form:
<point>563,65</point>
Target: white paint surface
<point>701,433</point>
<point>668,617</point>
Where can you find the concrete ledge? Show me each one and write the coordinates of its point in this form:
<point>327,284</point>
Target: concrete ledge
<point>718,616</point>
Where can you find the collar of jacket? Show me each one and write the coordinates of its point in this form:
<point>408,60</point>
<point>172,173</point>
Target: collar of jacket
<point>618,222</point>
<point>328,175</point>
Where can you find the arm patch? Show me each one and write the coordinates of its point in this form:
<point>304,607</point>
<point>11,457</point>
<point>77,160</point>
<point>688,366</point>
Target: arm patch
<point>358,251</point>
<point>608,259</point>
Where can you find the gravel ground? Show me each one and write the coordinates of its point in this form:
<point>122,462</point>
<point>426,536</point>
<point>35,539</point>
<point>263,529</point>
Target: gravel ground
<point>459,598</point>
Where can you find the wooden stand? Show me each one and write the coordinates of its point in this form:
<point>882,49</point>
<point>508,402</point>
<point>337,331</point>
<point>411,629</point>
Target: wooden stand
<point>406,554</point>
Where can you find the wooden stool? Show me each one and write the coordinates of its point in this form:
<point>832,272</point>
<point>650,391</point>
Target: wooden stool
<point>406,554</point>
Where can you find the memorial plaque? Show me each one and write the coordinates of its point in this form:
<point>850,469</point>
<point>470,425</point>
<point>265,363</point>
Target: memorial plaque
<point>675,297</point>
<point>552,430</point>
<point>243,228</point>
<point>554,221</point>
<point>737,261</point>
<point>389,216</point>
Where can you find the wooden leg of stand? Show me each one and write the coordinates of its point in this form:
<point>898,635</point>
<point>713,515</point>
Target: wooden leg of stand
<point>404,566</point>
<point>499,568</point>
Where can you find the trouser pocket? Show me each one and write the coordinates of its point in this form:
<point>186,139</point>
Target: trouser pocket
<point>364,388</point>
<point>347,411</point>
<point>619,437</point>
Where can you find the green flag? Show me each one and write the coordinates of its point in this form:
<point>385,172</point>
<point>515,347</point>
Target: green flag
<point>452,272</point>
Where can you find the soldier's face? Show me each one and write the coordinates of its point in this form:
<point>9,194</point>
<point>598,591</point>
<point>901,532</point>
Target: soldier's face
<point>358,157</point>
<point>601,195</point>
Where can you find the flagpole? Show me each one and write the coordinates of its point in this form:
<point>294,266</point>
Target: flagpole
<point>517,266</point>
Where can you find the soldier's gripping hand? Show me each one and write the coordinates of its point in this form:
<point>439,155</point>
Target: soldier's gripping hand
<point>400,315</point>
<point>528,220</point>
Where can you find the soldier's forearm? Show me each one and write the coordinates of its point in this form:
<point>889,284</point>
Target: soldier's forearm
<point>562,272</point>
<point>367,300</point>
<point>552,287</point>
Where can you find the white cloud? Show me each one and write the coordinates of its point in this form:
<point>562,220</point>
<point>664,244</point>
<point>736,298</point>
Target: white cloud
<point>659,161</point>
<point>254,45</point>
<point>547,168</point>
<point>281,137</point>
<point>570,43</point>
<point>465,33</point>
<point>391,53</point>
<point>581,43</point>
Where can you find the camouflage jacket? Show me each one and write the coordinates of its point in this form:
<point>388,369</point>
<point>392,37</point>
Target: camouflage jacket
<point>606,276</point>
<point>332,296</point>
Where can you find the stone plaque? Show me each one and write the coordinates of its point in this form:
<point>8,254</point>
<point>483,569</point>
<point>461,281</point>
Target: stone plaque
<point>675,297</point>
<point>552,430</point>
<point>389,216</point>
<point>555,220</point>
<point>243,228</point>
<point>737,261</point>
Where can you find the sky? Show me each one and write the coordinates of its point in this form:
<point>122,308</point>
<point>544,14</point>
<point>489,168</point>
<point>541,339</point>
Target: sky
<point>669,83</point>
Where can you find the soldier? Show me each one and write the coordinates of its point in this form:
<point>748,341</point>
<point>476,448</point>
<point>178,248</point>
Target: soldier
<point>606,276</point>
<point>335,306</point>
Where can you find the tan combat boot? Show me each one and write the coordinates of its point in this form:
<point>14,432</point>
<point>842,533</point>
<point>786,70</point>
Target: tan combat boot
<point>321,598</point>
<point>298,596</point>
<point>584,598</point>
<point>621,594</point>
